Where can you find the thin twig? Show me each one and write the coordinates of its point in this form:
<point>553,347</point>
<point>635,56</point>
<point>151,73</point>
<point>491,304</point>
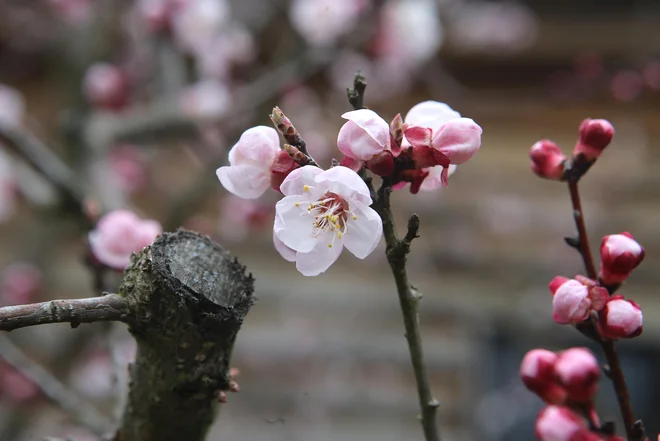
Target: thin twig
<point>35,152</point>
<point>111,307</point>
<point>634,428</point>
<point>52,388</point>
<point>397,252</point>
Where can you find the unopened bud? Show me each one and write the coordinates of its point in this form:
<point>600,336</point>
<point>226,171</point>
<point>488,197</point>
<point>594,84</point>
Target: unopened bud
<point>285,162</point>
<point>537,372</point>
<point>547,160</point>
<point>595,135</point>
<point>620,254</point>
<point>620,318</point>
<point>574,299</point>
<point>559,423</point>
<point>396,131</point>
<point>578,371</point>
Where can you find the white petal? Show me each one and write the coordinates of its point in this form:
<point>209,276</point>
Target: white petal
<point>346,183</point>
<point>287,253</point>
<point>297,230</point>
<point>363,234</point>
<point>319,259</point>
<point>258,144</point>
<point>245,181</point>
<point>295,181</point>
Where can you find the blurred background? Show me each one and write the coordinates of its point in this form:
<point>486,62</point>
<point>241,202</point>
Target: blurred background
<point>143,99</point>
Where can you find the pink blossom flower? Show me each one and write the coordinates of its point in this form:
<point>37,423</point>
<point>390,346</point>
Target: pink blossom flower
<point>578,371</point>
<point>256,163</point>
<point>20,283</point>
<point>205,100</point>
<point>626,85</point>
<point>619,255</point>
<point>441,136</point>
<point>620,318</point>
<point>595,135</point>
<point>547,160</point>
<point>157,14</point>
<point>14,384</point>
<point>574,299</point>
<point>106,86</point>
<point>12,106</point>
<point>364,136</point>
<point>321,22</point>
<point>409,33</point>
<point>537,372</point>
<point>323,212</point>
<point>559,423</point>
<point>118,235</point>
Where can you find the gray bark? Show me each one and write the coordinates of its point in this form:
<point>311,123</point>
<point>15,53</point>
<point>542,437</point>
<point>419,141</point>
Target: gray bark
<point>188,298</point>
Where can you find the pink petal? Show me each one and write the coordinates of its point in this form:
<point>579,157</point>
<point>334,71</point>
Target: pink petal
<point>459,139</point>
<point>431,114</point>
<point>256,145</point>
<point>434,179</point>
<point>364,135</point>
<point>244,181</point>
<point>418,136</point>
<point>346,183</point>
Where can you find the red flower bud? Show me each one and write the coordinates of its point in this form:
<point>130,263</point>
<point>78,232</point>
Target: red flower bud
<point>578,372</point>
<point>595,135</point>
<point>620,318</point>
<point>574,299</point>
<point>537,372</point>
<point>620,254</point>
<point>547,160</point>
<point>282,166</point>
<point>558,423</point>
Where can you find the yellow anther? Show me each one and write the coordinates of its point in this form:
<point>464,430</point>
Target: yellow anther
<point>339,234</point>
<point>306,188</point>
<point>297,204</point>
<point>329,245</point>
<point>354,217</point>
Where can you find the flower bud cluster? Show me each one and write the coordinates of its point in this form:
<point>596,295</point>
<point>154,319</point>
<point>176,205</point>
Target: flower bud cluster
<point>549,162</point>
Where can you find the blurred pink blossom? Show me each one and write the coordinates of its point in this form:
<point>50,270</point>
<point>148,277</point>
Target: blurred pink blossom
<point>16,385</point>
<point>12,106</point>
<point>410,32</point>
<point>626,85</point>
<point>93,376</point>
<point>128,167</point>
<point>106,86</point>
<point>321,22</point>
<point>20,283</point>
<point>493,27</point>
<point>118,235</point>
<point>239,217</point>
<point>651,75</point>
<point>216,56</point>
<point>206,100</point>
<point>196,22</point>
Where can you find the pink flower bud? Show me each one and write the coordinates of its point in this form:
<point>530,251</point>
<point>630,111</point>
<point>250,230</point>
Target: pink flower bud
<point>595,135</point>
<point>558,423</point>
<point>619,254</point>
<point>578,371</point>
<point>364,135</point>
<point>620,318</point>
<point>573,299</point>
<point>547,160</point>
<point>537,372</point>
<point>396,132</point>
<point>106,86</point>
<point>118,235</point>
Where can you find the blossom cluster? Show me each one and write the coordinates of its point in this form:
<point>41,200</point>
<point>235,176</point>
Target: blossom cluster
<point>324,211</point>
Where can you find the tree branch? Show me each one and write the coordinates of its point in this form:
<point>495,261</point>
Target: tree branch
<point>47,163</point>
<point>634,428</point>
<point>397,252</point>
<point>111,307</point>
<point>51,387</point>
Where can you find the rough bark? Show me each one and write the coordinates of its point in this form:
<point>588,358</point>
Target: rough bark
<point>188,298</point>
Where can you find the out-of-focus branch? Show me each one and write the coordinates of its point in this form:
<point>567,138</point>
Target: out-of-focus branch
<point>51,387</point>
<point>47,163</point>
<point>111,307</point>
